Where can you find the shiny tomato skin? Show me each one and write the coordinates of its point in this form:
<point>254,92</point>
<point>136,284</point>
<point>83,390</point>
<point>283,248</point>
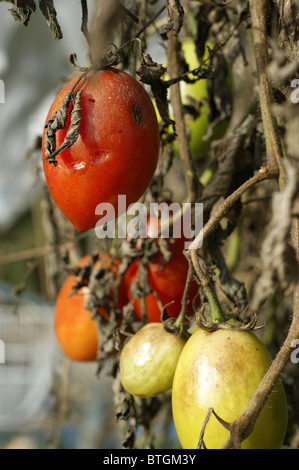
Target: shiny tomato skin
<point>116,152</point>
<point>148,361</point>
<point>167,280</point>
<point>75,329</point>
<point>222,370</point>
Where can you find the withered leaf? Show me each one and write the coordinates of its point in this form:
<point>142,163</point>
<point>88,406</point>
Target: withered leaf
<point>48,10</point>
<point>150,72</point>
<point>58,121</point>
<point>22,11</point>
<point>280,268</point>
<point>288,37</point>
<point>175,18</point>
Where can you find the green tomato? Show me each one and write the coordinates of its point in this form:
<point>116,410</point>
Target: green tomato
<point>148,361</point>
<point>222,370</point>
<point>197,128</point>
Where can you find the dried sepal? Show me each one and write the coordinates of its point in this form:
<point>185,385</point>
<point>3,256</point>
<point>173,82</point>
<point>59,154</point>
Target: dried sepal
<point>58,121</point>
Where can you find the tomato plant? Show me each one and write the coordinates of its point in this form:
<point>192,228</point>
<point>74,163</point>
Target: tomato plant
<point>76,330</point>
<point>101,141</point>
<point>222,370</point>
<point>148,360</point>
<point>116,151</point>
<point>166,279</point>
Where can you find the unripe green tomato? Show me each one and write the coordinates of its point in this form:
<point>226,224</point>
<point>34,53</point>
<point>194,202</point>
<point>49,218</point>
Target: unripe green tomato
<point>198,90</point>
<point>148,361</point>
<point>222,370</point>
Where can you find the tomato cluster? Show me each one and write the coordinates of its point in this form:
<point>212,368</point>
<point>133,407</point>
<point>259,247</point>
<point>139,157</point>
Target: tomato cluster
<point>77,332</point>
<point>217,371</point>
<point>116,152</point>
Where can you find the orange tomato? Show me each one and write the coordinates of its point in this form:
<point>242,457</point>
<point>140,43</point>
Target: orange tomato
<point>75,329</point>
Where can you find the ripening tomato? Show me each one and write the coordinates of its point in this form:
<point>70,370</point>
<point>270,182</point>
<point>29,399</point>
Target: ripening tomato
<point>148,361</point>
<point>76,330</point>
<point>222,370</point>
<point>167,280</point>
<point>116,152</point>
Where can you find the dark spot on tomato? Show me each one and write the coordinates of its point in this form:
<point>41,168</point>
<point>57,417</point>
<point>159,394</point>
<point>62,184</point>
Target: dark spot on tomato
<point>91,100</point>
<point>113,70</point>
<point>119,132</point>
<point>137,114</point>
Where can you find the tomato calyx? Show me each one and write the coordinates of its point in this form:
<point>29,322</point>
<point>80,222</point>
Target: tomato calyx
<point>229,322</point>
<point>171,326</point>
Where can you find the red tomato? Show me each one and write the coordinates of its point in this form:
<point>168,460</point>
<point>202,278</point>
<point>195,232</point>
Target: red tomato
<point>166,279</point>
<point>75,329</point>
<point>116,152</point>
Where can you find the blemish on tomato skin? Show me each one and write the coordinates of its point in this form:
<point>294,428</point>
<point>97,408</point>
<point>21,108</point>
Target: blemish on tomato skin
<point>98,156</point>
<point>137,114</point>
<point>91,100</point>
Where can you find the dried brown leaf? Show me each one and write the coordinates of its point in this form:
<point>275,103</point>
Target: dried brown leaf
<point>58,121</point>
<point>288,32</point>
<point>22,11</point>
<point>48,10</point>
<point>175,18</point>
<point>279,264</point>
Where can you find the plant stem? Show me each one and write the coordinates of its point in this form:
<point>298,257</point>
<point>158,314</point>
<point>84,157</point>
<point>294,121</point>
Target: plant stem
<point>192,182</point>
<point>273,144</point>
<point>217,315</point>
<point>183,311</point>
<point>176,103</point>
<point>261,175</point>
